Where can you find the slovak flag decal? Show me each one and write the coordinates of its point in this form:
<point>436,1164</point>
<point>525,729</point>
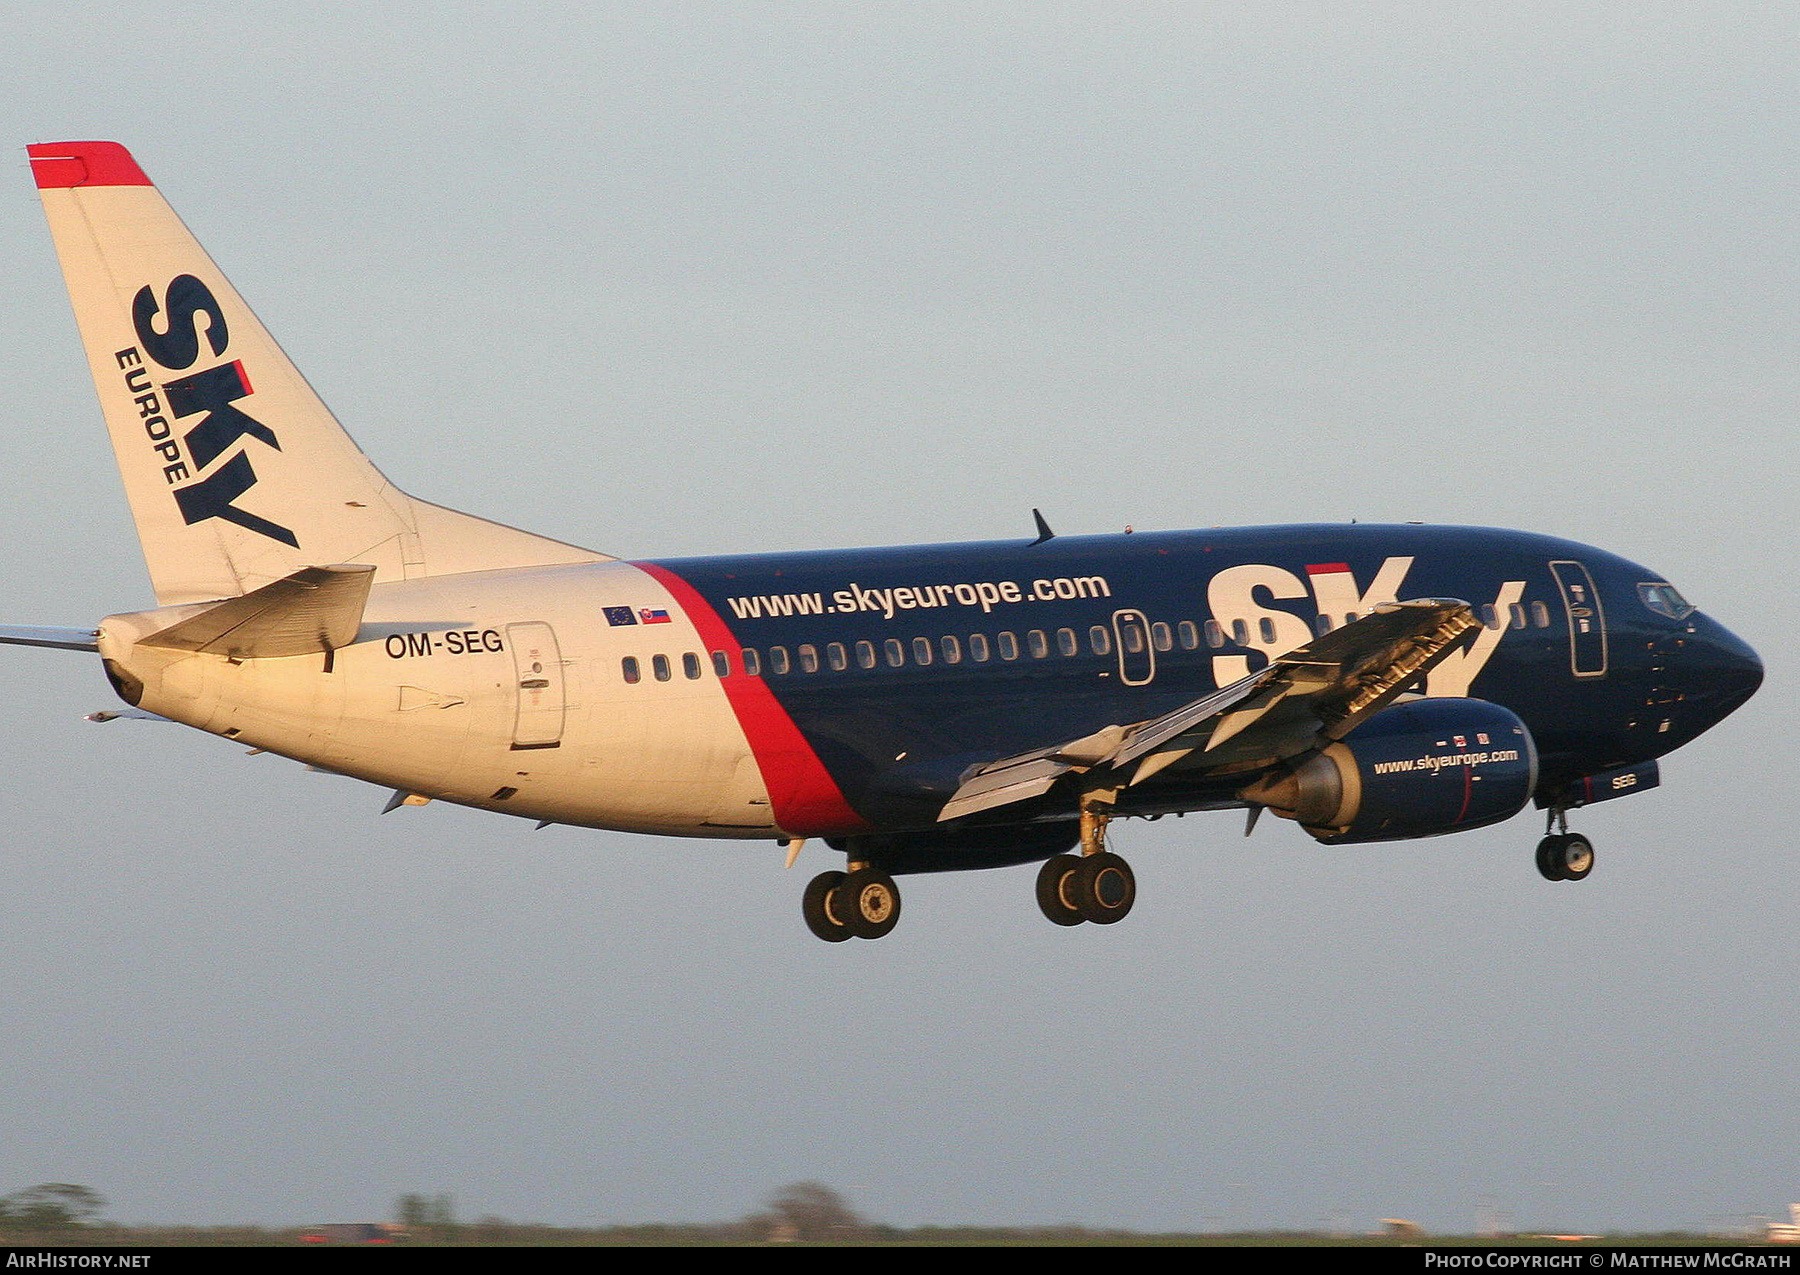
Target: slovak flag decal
<point>649,616</point>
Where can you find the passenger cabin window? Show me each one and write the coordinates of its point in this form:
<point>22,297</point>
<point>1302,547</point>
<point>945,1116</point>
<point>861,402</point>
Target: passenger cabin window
<point>978,647</point>
<point>865,655</point>
<point>1266,627</point>
<point>690,665</point>
<point>1161,637</point>
<point>1516,614</point>
<point>1131,637</point>
<point>809,658</point>
<point>951,650</point>
<point>659,665</point>
<point>752,662</point>
<point>1540,615</point>
<point>836,657</point>
<point>1008,645</point>
<point>721,663</point>
<point>1038,644</point>
<point>629,667</point>
<point>895,652</point>
<point>1189,634</point>
<point>1240,632</point>
<point>1322,625</point>
<point>1490,617</point>
<point>1100,640</point>
<point>1215,636</point>
<point>921,651</point>
<point>778,660</point>
<point>1066,643</point>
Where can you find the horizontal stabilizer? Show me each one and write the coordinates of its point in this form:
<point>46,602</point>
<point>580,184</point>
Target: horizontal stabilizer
<point>62,639</point>
<point>314,610</point>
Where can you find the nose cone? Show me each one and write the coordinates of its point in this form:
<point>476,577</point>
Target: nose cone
<point>1718,670</point>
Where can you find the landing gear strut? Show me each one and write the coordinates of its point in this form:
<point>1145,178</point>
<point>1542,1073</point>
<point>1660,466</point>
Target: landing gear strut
<point>1564,855</point>
<point>1095,885</point>
<point>863,903</point>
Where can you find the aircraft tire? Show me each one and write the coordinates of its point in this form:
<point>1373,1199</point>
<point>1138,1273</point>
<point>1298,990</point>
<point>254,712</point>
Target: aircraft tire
<point>1565,857</point>
<point>1056,895</point>
<point>1104,888</point>
<point>1577,857</point>
<point>821,906</point>
<point>1549,858</point>
<point>869,903</point>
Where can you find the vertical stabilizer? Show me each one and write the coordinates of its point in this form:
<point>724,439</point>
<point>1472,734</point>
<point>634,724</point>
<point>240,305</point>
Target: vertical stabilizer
<point>238,475</point>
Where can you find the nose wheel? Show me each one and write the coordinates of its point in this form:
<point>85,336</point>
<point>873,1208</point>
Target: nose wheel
<point>1565,856</point>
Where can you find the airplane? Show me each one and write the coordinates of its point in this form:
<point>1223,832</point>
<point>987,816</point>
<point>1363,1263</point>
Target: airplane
<point>921,709</point>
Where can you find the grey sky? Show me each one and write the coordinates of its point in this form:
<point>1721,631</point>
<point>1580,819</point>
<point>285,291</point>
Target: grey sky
<point>691,278</point>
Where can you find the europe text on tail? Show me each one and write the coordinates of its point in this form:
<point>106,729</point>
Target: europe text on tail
<point>921,708</point>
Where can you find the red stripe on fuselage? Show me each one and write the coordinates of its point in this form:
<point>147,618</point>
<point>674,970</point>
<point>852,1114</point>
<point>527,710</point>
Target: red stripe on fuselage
<point>805,799</point>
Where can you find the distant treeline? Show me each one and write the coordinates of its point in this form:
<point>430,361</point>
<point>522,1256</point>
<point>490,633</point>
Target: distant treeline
<point>61,1213</point>
<point>491,1232</point>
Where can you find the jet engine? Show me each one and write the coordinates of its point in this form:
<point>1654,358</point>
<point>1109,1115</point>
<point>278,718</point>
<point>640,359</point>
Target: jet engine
<point>1417,769</point>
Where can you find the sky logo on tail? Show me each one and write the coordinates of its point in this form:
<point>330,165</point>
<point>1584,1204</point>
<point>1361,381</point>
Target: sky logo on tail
<point>210,449</point>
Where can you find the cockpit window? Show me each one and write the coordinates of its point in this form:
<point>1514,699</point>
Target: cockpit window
<point>1665,599</point>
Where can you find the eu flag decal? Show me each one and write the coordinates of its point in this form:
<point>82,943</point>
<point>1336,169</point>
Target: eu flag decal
<point>620,615</point>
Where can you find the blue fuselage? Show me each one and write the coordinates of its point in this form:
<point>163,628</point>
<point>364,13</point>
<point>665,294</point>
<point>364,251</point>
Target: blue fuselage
<point>903,667</point>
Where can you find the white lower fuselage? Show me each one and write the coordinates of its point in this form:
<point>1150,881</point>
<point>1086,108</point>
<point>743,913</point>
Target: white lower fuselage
<point>501,690</point>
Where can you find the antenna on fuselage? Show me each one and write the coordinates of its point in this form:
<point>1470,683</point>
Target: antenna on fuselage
<point>1044,532</point>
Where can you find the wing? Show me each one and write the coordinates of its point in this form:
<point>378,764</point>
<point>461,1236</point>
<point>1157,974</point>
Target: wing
<point>1300,702</point>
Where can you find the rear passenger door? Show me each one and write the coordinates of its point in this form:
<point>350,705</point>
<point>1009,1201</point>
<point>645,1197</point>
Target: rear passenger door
<point>538,673</point>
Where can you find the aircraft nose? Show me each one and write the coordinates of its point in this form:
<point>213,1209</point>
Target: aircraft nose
<point>1722,669</point>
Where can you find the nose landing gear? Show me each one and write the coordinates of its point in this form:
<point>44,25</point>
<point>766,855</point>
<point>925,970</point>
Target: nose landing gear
<point>1564,855</point>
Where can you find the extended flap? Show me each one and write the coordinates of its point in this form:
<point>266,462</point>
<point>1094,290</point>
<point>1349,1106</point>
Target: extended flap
<point>1314,694</point>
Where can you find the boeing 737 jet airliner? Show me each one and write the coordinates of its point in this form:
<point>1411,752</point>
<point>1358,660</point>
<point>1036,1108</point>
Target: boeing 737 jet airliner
<point>921,709</point>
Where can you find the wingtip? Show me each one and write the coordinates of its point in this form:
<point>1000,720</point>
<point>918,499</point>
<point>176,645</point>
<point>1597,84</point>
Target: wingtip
<point>62,165</point>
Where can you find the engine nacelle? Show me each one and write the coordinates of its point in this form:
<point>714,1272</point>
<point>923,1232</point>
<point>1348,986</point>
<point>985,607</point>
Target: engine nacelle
<point>1419,769</point>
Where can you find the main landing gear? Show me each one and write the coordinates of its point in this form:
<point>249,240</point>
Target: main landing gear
<point>1095,885</point>
<point>1072,888</point>
<point>1564,855</point>
<point>863,903</point>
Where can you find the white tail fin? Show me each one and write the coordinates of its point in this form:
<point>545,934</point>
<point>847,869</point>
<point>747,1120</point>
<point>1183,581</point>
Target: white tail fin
<point>237,473</point>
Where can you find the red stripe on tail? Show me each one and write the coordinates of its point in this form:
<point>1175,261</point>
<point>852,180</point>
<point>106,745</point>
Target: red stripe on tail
<point>61,165</point>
